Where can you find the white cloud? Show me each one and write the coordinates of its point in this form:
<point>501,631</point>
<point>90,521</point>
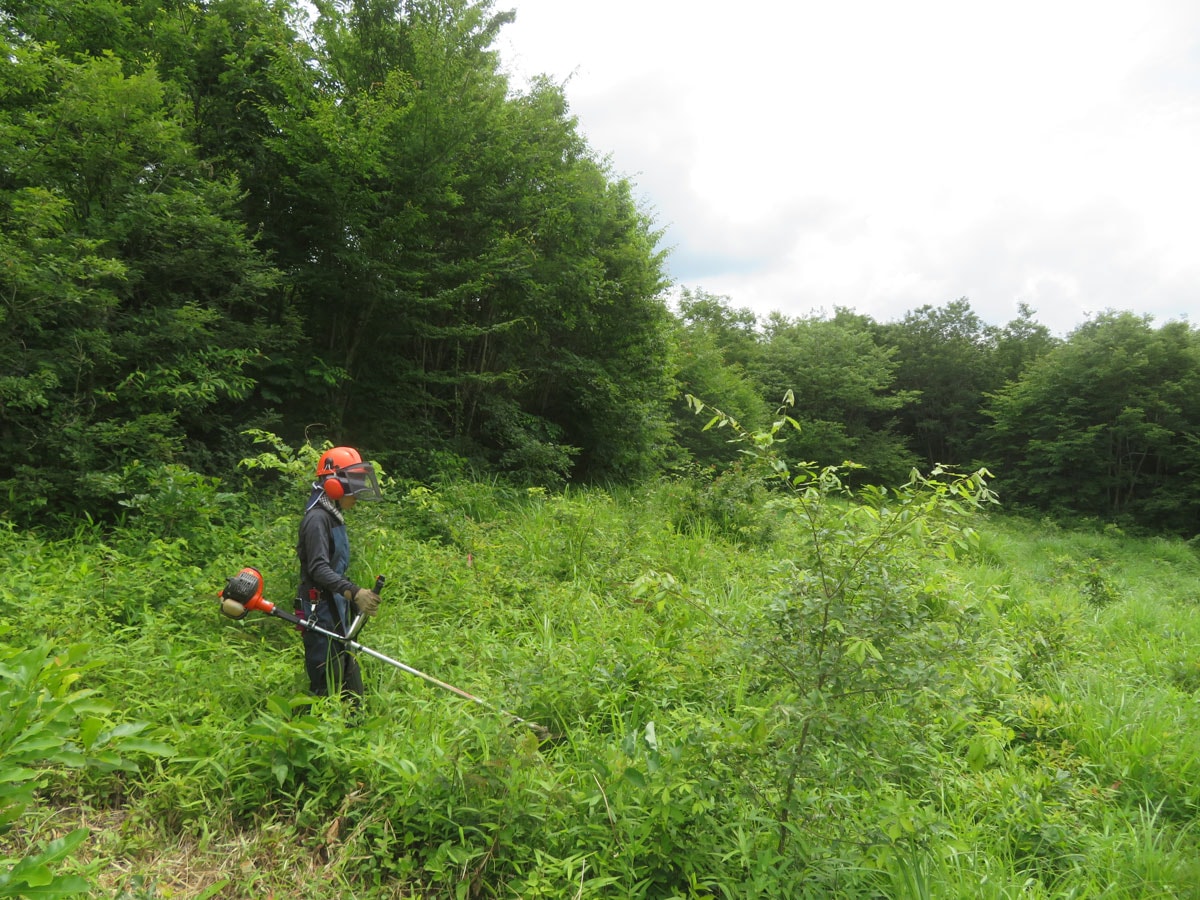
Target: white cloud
<point>880,156</point>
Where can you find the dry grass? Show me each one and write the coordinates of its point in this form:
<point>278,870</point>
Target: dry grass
<point>130,858</point>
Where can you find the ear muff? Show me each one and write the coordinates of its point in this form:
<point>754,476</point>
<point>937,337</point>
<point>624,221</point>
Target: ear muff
<point>334,487</point>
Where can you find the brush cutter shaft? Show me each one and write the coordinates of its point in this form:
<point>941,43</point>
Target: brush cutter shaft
<point>288,617</point>
<point>356,646</point>
<point>244,592</point>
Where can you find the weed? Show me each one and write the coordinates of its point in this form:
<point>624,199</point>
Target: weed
<point>977,724</point>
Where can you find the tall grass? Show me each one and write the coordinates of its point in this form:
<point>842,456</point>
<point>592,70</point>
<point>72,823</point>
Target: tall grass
<point>1059,755</point>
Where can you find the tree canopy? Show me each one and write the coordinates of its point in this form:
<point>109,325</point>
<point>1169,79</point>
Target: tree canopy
<point>215,223</point>
<point>1105,424</point>
<point>341,222</point>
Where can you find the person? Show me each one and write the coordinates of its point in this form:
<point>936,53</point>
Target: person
<point>325,595</point>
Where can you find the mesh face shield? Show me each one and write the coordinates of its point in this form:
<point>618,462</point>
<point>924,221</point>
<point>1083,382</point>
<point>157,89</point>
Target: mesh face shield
<point>360,481</point>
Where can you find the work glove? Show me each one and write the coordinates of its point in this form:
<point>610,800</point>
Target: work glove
<point>366,602</point>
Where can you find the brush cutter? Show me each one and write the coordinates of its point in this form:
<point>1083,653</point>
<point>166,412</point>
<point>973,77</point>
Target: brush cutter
<point>244,592</point>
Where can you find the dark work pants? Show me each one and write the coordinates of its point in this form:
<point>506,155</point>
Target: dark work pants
<point>331,667</point>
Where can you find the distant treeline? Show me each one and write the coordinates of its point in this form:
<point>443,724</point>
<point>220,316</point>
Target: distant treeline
<point>1104,424</point>
<point>228,216</point>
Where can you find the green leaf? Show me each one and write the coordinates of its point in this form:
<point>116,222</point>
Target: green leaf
<point>279,706</point>
<point>90,730</point>
<point>72,758</point>
<point>34,871</point>
<point>34,747</point>
<point>34,876</point>
<point>154,748</point>
<point>15,774</point>
<point>125,729</point>
<point>635,777</point>
<point>651,736</point>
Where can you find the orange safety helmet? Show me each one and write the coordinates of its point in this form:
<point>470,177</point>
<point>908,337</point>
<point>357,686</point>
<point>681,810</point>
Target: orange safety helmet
<point>341,471</point>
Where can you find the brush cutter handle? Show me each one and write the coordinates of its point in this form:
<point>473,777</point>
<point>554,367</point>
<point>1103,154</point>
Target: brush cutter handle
<point>360,618</point>
<point>288,617</point>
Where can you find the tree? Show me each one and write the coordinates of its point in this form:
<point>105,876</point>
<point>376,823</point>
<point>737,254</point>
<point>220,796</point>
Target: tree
<point>471,276</point>
<point>74,27</point>
<point>844,398</point>
<point>945,358</point>
<point>602,337</point>
<point>1103,425</point>
<point>133,295</point>
<point>716,343</point>
<point>1020,343</point>
<point>432,263</point>
<point>734,331</point>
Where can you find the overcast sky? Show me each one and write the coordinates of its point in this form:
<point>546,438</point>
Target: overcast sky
<point>886,154</point>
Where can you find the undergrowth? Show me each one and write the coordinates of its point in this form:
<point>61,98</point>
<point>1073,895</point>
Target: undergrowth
<point>815,693</point>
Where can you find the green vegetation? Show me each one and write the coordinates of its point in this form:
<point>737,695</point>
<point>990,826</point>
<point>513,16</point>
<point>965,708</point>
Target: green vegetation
<point>340,221</point>
<point>765,684</point>
<point>811,662</point>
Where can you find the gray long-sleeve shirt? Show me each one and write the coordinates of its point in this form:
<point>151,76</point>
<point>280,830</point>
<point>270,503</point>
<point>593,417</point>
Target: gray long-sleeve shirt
<point>324,550</point>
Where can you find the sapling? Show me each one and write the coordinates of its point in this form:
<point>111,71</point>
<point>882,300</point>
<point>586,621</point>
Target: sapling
<point>860,620</point>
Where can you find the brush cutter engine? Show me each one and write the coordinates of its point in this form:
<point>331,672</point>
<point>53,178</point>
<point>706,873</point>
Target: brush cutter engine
<point>242,593</point>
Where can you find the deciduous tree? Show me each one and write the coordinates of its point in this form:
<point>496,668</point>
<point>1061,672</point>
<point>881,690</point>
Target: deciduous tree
<point>1104,425</point>
<point>132,294</point>
<point>842,381</point>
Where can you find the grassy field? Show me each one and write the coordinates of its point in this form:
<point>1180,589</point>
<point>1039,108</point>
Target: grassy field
<point>750,696</point>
